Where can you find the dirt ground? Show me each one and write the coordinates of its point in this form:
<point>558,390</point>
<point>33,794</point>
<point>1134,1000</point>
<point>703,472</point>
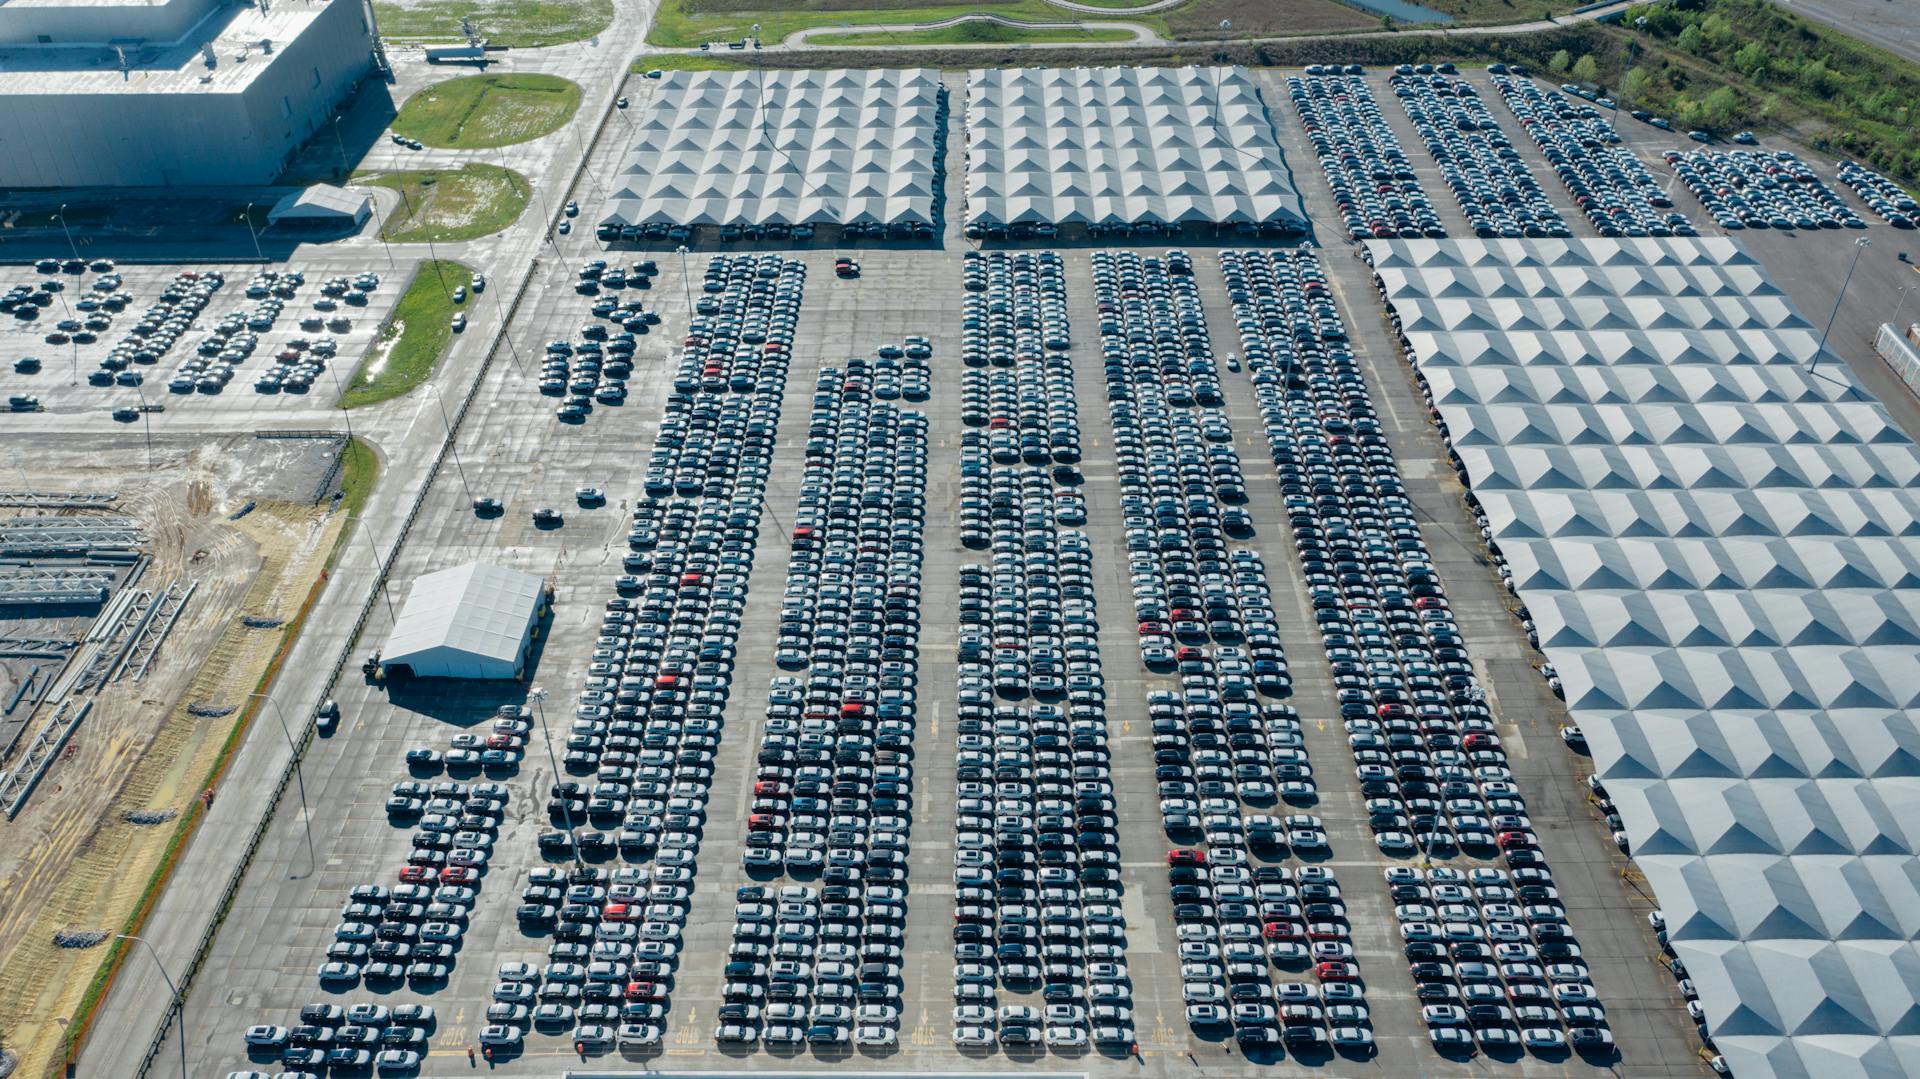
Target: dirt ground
<point>1265,18</point>
<point>71,860</point>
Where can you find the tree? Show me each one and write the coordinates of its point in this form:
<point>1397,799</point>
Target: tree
<point>1637,83</point>
<point>1692,40</point>
<point>1818,78</point>
<point>1586,70</point>
<point>1560,62</point>
<point>1752,59</point>
<point>1720,109</point>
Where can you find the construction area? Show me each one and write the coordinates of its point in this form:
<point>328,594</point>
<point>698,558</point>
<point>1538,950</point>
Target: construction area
<point>137,612</point>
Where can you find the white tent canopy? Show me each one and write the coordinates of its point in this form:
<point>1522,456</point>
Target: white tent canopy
<point>1721,553</point>
<point>1126,145</point>
<point>784,147</point>
<point>323,205</point>
<point>471,621</point>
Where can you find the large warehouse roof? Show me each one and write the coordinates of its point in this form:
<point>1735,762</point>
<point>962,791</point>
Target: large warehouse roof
<point>784,147</point>
<point>1123,145</point>
<point>471,621</point>
<point>1721,551</point>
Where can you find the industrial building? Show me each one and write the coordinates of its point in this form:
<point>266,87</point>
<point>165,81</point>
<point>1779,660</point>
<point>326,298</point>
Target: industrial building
<point>1717,534</point>
<point>1124,146</point>
<point>474,621</point>
<point>172,93</point>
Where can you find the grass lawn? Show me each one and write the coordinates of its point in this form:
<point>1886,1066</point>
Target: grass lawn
<point>445,205</point>
<point>358,473</point>
<point>483,111</point>
<point>519,24</point>
<point>687,61</point>
<point>972,33</point>
<point>414,337</point>
<point>685,23</point>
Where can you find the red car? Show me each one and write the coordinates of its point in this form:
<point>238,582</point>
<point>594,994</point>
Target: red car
<point>1337,972</point>
<point>646,991</point>
<point>416,874</point>
<point>459,874</point>
<point>1186,857</point>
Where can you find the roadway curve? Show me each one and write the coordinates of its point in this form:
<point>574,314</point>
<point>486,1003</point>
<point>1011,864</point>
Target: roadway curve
<point>800,39</point>
<point>797,41</point>
<point>1110,12</point>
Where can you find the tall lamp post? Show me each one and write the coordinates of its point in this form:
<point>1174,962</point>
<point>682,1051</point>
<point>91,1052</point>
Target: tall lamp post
<point>71,246</point>
<point>686,285</point>
<point>298,775</point>
<point>1860,246</point>
<point>146,420</point>
<point>452,446</point>
<point>538,695</point>
<point>257,253</point>
<point>179,1002</point>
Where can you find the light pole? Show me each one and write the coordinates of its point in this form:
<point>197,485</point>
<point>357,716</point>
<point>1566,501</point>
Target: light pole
<point>380,230</point>
<point>341,145</point>
<point>1860,246</point>
<point>452,447</point>
<point>71,246</point>
<point>1897,328</point>
<point>146,421</point>
<point>179,1002</point>
<point>298,775</point>
<point>538,695</point>
<point>385,591</point>
<point>256,236</point>
<point>432,255</point>
<point>686,285</point>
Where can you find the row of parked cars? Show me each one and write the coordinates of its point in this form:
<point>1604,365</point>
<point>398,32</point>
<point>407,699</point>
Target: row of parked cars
<point>1493,184</point>
<point>1240,912</point>
<point>1017,390</point>
<point>1610,185</point>
<point>398,1034</point>
<point>1374,186</point>
<point>1039,936</point>
<point>1182,494</point>
<point>647,723</point>
<point>833,785</point>
<point>1882,195</point>
<point>594,367</point>
<point>407,934</point>
<point>1759,189</point>
<point>1489,949</point>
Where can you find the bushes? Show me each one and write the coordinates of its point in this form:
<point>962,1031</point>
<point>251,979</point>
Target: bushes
<point>1722,64</point>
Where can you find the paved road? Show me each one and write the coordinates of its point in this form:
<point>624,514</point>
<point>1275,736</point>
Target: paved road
<point>1893,25</point>
<point>798,41</point>
<point>1141,34</point>
<point>406,433</point>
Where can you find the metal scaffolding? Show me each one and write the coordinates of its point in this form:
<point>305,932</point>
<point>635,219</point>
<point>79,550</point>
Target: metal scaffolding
<point>57,500</point>
<point>29,536</point>
<point>37,586</point>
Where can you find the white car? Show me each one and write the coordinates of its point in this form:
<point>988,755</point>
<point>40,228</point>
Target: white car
<point>638,1034</point>
<point>972,1037</point>
<point>1066,1037</point>
<point>875,1035</point>
<point>736,1032</point>
<point>268,1036</point>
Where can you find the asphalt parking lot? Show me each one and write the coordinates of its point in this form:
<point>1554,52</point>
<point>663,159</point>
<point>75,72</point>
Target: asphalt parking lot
<point>71,376</point>
<point>513,448</point>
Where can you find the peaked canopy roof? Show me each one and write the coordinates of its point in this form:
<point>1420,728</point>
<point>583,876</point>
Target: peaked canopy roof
<point>784,147</point>
<point>1721,553</point>
<point>1123,145</point>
